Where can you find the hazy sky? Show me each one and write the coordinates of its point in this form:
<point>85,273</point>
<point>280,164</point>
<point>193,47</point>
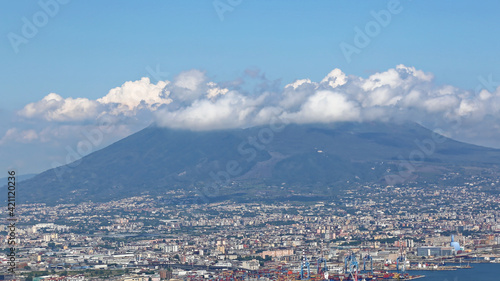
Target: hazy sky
<point>65,67</point>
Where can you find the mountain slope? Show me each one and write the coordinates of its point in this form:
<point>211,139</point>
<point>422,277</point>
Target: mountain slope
<point>156,160</point>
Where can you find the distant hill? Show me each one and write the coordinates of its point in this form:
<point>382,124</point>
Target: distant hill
<point>18,178</point>
<point>314,156</point>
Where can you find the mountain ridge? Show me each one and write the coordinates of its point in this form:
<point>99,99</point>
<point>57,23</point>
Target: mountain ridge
<point>157,160</point>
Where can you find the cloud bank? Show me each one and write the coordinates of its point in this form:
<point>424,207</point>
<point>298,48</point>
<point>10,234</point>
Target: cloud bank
<point>193,102</point>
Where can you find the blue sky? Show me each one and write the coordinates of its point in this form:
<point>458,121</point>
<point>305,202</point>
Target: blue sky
<point>89,47</point>
<point>428,63</point>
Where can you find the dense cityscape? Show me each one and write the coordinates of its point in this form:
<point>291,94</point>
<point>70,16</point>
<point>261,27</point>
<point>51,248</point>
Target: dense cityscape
<point>149,238</point>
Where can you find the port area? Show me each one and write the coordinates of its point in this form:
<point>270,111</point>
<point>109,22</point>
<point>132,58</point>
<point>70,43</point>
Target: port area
<point>288,274</point>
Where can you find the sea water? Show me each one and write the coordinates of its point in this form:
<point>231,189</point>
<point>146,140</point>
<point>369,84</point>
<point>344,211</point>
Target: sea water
<point>478,272</point>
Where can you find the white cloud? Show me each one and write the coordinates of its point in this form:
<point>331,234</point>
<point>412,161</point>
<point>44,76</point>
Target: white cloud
<point>297,83</point>
<point>126,99</point>
<point>296,93</point>
<point>441,103</point>
<point>231,110</point>
<point>190,80</point>
<point>399,77</point>
<point>214,90</point>
<point>325,106</point>
<point>335,78</point>
<point>134,94</point>
<point>54,108</point>
<point>381,96</point>
<point>188,86</point>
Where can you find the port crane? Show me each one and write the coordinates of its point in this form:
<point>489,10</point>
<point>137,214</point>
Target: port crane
<point>305,263</point>
<point>367,258</point>
<point>401,260</point>
<point>321,270</point>
<point>351,266</point>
